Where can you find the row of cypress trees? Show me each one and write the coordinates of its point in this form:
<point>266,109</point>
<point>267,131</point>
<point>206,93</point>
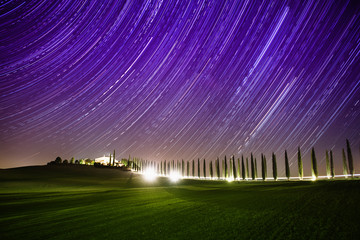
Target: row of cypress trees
<point>230,170</point>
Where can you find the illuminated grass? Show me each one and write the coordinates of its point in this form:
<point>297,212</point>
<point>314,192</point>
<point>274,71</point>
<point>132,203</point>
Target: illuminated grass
<point>84,202</point>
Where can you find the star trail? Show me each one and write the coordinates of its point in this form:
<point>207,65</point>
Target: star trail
<point>172,80</point>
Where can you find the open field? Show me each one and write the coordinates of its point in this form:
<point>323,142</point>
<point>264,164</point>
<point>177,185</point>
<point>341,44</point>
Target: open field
<point>82,202</point>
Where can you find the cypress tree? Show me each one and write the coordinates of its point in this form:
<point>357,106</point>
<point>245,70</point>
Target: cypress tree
<point>226,167</point>
<point>234,168</point>
<point>218,168</point>
<point>263,167</point>
<point>314,164</point>
<point>252,168</point>
<point>114,158</point>
<point>182,167</point>
<point>287,167</point>
<point>255,166</point>
<point>328,171</point>
<point>300,165</point>
<point>274,167</point>
<point>165,168</point>
<point>211,170</point>
<point>193,168</point>
<point>332,165</point>
<point>198,165</point>
<point>110,160</point>
<point>350,158</point>
<point>243,173</point>
<point>204,168</point>
<point>247,168</point>
<point>345,169</point>
<point>161,168</point>
<point>222,168</point>
<point>230,168</point>
<point>187,169</point>
<point>238,168</point>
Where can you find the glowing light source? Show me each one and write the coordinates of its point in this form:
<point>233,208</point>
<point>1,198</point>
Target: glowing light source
<point>174,176</point>
<point>313,178</point>
<point>149,174</point>
<point>229,179</point>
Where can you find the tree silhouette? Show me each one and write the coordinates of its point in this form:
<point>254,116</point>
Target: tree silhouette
<point>350,158</point>
<point>247,168</point>
<point>328,171</point>
<point>114,158</point>
<point>234,167</point>
<point>332,165</point>
<point>218,168</point>
<point>274,167</point>
<point>211,170</point>
<point>204,168</point>
<point>58,160</point>
<point>187,168</point>
<point>263,167</point>
<point>72,160</point>
<point>165,172</point>
<point>345,169</point>
<point>314,164</point>
<point>243,172</point>
<point>193,168</point>
<point>238,168</point>
<point>252,167</point>
<point>255,168</point>
<point>182,167</point>
<point>287,167</point>
<point>198,167</point>
<point>226,167</point>
<point>300,165</point>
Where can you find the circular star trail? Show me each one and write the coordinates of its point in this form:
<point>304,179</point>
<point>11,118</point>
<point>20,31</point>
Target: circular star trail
<point>178,79</point>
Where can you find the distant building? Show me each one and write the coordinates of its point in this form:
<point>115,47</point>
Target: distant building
<point>105,161</point>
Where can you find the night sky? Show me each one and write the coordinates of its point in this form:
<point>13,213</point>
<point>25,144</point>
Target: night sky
<point>178,79</point>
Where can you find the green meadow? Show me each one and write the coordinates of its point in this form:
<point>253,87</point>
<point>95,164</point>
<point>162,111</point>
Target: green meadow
<point>83,202</point>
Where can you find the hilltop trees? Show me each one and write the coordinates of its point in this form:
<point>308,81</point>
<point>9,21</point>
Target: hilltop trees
<point>211,170</point>
<point>217,163</point>
<point>58,160</point>
<point>193,168</point>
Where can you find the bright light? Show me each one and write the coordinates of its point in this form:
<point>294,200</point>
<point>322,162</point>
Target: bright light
<point>174,176</point>
<point>230,179</point>
<point>149,174</point>
<point>313,178</point>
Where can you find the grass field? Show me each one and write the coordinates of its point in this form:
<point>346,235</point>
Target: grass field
<point>82,202</point>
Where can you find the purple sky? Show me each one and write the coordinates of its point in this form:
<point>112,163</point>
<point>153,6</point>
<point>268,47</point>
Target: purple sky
<point>178,80</point>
